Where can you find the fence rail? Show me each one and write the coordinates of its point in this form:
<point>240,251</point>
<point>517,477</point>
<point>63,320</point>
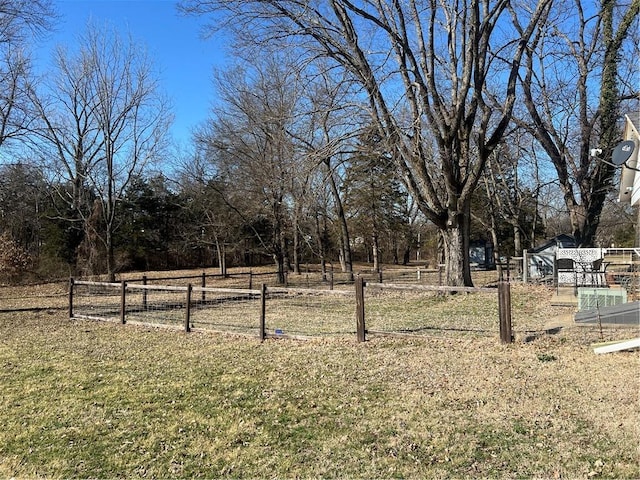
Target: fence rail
<point>309,277</point>
<point>370,308</point>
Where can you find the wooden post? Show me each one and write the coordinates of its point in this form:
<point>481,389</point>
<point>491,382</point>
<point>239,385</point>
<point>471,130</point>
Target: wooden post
<point>331,278</point>
<point>71,297</point>
<point>123,302</point>
<point>504,307</point>
<point>204,284</point>
<point>379,275</point>
<point>263,312</point>
<point>144,292</point>
<point>360,326</point>
<point>187,310</point>
<point>250,280</point>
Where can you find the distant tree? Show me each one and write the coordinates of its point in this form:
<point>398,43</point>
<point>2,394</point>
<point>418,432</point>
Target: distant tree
<point>374,194</point>
<point>333,122</point>
<point>209,202</point>
<point>23,198</point>
<point>105,120</point>
<point>249,145</point>
<point>439,78</point>
<point>15,260</point>
<point>505,206</point>
<point>148,216</point>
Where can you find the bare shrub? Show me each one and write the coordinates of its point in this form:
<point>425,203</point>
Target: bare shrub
<point>15,260</point>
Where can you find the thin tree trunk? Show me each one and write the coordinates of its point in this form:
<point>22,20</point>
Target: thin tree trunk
<point>345,243</point>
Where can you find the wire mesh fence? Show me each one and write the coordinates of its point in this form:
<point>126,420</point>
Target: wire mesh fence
<point>303,312</point>
<point>277,311</point>
<point>228,310</point>
<point>310,277</point>
<point>431,311</point>
<point>296,312</point>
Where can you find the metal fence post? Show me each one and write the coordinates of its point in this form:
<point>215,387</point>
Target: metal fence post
<point>71,297</point>
<point>504,307</point>
<point>204,284</point>
<point>360,325</point>
<point>144,292</point>
<point>263,312</point>
<point>123,301</point>
<point>187,309</point>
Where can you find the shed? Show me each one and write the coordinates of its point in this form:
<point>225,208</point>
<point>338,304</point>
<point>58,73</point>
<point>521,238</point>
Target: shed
<point>541,258</point>
<point>481,255</point>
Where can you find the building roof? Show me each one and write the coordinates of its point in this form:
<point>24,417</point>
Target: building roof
<point>560,241</point>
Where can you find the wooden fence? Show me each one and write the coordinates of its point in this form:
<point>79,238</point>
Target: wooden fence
<point>267,311</point>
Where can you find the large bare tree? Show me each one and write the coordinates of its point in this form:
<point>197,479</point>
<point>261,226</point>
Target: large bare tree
<point>104,120</point>
<point>573,91</point>
<point>439,78</point>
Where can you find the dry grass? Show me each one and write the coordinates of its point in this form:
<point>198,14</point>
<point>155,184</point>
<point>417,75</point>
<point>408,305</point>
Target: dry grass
<point>87,399</point>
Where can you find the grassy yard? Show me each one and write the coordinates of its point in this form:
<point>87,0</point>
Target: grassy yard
<point>87,399</point>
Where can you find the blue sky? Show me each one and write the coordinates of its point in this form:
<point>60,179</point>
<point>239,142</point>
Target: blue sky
<point>184,59</point>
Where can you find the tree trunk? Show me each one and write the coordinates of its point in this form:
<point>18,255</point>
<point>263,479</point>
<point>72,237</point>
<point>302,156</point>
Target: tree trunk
<point>296,241</point>
<point>111,267</point>
<point>457,269</point>
<point>517,240</point>
<point>321,235</point>
<point>455,239</point>
<point>375,251</point>
<point>496,248</point>
<point>222,261</point>
<point>345,243</point>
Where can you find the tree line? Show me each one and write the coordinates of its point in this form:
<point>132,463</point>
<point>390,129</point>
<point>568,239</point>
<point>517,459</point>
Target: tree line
<point>366,131</point>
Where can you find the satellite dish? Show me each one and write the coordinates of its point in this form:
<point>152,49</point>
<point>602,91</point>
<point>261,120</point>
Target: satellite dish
<point>622,152</point>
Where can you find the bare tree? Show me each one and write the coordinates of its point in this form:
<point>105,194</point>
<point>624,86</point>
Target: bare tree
<point>512,185</point>
<point>571,91</point>
<point>333,123</point>
<point>20,22</point>
<point>248,143</point>
<point>425,69</point>
<point>22,19</point>
<point>104,121</point>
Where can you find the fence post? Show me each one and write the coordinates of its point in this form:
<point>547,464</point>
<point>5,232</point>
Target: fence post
<point>71,297</point>
<point>144,292</point>
<point>123,301</point>
<point>263,312</point>
<point>331,278</point>
<point>380,274</point>
<point>204,284</point>
<point>250,280</point>
<point>187,310</point>
<point>504,308</point>
<point>360,326</point>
